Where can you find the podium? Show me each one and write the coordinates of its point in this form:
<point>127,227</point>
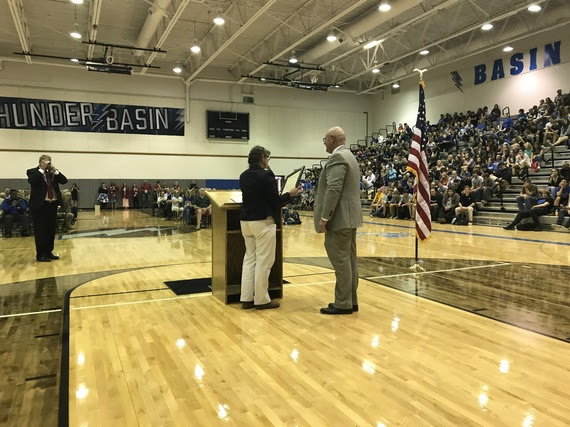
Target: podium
<point>228,249</point>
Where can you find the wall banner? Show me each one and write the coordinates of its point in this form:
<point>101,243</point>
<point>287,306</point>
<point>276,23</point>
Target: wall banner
<point>72,116</point>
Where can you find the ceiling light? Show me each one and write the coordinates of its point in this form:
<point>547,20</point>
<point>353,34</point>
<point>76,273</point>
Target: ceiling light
<point>218,20</point>
<point>195,47</point>
<point>487,27</point>
<point>75,33</point>
<point>371,44</point>
<point>262,79</point>
<point>534,8</point>
<point>424,52</point>
<point>396,85</point>
<point>375,70</point>
<point>177,69</point>
<point>384,6</point>
<point>508,49</point>
<point>77,1</point>
<point>337,85</point>
<point>293,59</point>
<point>74,60</point>
<point>331,37</point>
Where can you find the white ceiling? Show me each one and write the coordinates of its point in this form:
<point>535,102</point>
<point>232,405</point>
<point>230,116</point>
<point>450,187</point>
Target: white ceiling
<point>258,31</point>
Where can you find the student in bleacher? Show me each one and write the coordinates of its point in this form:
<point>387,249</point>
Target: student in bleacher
<point>449,203</point>
<point>543,206</point>
<point>466,204</point>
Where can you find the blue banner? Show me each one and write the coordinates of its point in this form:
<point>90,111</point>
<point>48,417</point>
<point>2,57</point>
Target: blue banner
<point>72,116</point>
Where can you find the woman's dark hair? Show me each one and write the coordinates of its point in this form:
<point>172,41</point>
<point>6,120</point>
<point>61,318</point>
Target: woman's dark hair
<point>256,153</point>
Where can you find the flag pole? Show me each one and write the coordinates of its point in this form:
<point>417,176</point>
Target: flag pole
<point>417,268</point>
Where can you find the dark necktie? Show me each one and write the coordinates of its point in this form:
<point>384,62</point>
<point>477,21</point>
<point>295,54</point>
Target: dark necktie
<point>49,185</point>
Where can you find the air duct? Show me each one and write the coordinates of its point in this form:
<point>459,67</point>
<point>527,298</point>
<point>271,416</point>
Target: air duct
<point>155,14</point>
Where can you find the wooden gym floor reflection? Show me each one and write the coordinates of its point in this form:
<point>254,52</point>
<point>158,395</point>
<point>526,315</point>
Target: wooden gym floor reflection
<point>138,354</point>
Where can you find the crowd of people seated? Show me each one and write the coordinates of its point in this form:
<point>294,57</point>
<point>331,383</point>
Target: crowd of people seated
<point>15,212</point>
<point>472,157</point>
<point>190,205</point>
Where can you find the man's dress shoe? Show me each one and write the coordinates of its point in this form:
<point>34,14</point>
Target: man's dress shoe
<point>354,307</point>
<point>334,310</point>
<point>43,259</point>
<point>52,256</point>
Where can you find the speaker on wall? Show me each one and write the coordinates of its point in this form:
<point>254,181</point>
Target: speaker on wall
<point>248,100</point>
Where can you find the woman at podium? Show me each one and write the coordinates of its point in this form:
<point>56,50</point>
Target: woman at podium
<point>259,215</point>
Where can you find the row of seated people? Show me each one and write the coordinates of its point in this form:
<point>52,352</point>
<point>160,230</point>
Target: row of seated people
<point>138,196</point>
<point>460,200</point>
<point>446,204</point>
<point>520,143</point>
<point>14,211</point>
<point>192,207</point>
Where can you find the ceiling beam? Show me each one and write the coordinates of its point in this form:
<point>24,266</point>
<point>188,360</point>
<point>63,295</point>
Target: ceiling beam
<point>321,27</point>
<point>391,32</point>
<point>230,40</point>
<point>21,23</point>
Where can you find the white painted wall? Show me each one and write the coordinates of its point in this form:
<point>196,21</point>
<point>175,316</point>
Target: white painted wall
<point>522,91</point>
<point>289,122</point>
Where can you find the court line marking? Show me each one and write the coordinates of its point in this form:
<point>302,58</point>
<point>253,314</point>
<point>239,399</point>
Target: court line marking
<point>30,313</point>
<point>201,295</point>
<point>438,271</point>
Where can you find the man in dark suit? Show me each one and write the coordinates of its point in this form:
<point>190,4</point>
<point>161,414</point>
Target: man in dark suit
<point>338,212</point>
<point>44,199</point>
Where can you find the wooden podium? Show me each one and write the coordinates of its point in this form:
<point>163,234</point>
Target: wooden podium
<point>228,249</point>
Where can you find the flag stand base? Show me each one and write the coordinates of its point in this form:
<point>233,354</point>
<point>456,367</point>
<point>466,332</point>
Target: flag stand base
<point>416,268</point>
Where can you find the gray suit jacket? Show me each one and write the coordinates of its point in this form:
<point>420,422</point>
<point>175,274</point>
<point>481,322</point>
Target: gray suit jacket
<point>338,192</point>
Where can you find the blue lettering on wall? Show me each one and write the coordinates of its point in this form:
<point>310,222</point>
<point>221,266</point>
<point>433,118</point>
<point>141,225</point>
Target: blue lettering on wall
<point>480,75</point>
<point>552,54</point>
<point>498,70</point>
<point>517,63</point>
<point>533,59</point>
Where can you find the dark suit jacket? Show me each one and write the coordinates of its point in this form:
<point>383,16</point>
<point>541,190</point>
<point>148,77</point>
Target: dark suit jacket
<point>260,196</point>
<point>39,187</point>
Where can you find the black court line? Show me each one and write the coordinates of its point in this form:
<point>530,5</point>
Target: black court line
<point>50,308</point>
<point>47,335</point>
<point>475,310</point>
<point>41,377</point>
<point>120,293</point>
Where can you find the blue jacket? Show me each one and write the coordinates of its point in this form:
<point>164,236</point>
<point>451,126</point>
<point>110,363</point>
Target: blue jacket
<point>20,208</point>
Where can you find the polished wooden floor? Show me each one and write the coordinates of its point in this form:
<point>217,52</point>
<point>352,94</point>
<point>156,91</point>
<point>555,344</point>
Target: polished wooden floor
<point>481,338</point>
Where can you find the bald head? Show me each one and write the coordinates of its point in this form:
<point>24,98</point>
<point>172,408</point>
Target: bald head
<point>334,138</point>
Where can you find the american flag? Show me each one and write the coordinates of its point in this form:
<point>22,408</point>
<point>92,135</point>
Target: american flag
<point>417,164</point>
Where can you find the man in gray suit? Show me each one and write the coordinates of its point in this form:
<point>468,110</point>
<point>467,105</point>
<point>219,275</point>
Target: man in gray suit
<point>338,213</point>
